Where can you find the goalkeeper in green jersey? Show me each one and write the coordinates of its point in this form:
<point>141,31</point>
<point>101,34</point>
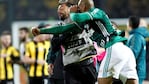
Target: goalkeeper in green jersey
<point>97,24</point>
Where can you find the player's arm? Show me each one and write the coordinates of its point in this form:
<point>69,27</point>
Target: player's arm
<point>54,50</point>
<point>15,56</point>
<point>50,57</point>
<point>90,15</point>
<point>61,29</point>
<point>27,58</point>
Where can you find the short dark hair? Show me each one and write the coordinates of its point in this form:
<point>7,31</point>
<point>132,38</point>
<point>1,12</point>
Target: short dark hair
<point>69,4</point>
<point>134,21</point>
<point>43,25</point>
<point>24,29</point>
<point>5,33</point>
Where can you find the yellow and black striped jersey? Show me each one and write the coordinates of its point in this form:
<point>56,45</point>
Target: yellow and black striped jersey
<point>7,57</point>
<point>37,51</point>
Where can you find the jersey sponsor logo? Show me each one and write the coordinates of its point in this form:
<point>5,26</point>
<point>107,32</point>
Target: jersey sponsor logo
<point>102,43</point>
<point>74,43</point>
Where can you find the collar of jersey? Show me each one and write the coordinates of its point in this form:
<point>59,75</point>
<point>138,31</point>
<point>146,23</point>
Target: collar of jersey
<point>114,40</point>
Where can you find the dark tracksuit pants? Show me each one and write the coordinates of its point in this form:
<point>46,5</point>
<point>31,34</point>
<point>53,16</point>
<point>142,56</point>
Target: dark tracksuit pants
<point>81,73</point>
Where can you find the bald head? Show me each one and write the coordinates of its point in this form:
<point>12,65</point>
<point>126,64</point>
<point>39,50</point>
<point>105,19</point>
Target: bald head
<point>85,5</point>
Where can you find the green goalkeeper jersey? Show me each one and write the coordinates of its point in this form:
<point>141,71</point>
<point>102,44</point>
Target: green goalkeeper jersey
<point>95,16</point>
<point>78,18</point>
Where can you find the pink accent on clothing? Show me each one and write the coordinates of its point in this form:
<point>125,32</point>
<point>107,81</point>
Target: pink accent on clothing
<point>62,48</point>
<point>99,57</point>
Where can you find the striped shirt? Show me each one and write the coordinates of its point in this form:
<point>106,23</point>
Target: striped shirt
<point>37,51</point>
<point>7,57</point>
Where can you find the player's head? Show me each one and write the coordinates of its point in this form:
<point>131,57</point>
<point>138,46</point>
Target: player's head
<point>85,5</point>
<point>63,9</point>
<point>45,36</point>
<point>6,39</point>
<point>23,33</point>
<point>133,22</point>
<point>42,37</point>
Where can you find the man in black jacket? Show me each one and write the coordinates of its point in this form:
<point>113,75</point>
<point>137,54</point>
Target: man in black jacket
<point>54,58</point>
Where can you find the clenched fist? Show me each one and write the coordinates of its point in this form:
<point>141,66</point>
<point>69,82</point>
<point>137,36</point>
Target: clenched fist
<point>35,31</point>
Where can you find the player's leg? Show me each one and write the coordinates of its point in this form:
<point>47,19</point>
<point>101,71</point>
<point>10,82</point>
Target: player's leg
<point>104,77</point>
<point>132,81</point>
<point>113,64</point>
<point>117,81</point>
<point>129,74</point>
<point>105,80</point>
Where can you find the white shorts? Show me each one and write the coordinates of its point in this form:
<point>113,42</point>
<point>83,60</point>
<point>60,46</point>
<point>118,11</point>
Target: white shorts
<point>119,63</point>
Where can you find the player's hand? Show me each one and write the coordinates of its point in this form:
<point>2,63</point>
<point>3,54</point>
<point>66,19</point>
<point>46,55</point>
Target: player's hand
<point>50,69</point>
<point>41,62</point>
<point>74,8</point>
<point>35,31</point>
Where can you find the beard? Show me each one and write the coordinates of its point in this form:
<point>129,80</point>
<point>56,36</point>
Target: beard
<point>22,39</point>
<point>62,18</point>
